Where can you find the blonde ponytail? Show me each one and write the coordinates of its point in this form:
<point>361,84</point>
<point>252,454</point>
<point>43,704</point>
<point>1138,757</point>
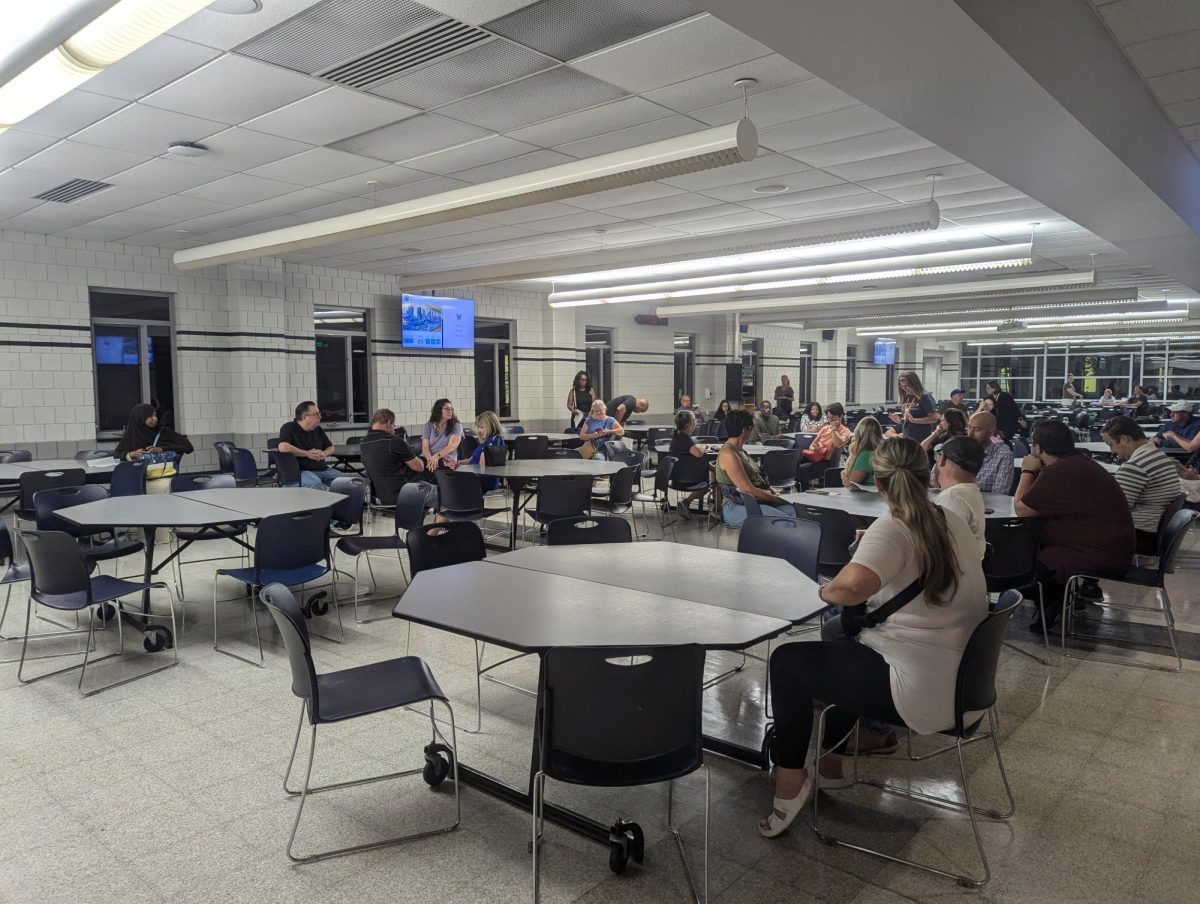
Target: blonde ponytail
<point>902,470</point>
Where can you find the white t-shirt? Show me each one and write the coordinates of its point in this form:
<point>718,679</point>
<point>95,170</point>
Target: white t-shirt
<point>922,644</point>
<point>965,500</point>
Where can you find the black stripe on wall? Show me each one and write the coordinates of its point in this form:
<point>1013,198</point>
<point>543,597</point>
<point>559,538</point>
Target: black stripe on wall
<point>227,349</point>
<point>248,334</point>
<point>34,343</point>
<point>44,326</point>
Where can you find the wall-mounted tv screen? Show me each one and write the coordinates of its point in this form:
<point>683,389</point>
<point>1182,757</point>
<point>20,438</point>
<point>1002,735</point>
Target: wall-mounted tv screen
<point>885,351</point>
<point>431,321</point>
<point>116,349</point>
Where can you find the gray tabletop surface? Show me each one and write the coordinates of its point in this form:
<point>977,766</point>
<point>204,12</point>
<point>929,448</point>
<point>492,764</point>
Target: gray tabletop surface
<point>755,450</point>
<point>761,585</point>
<point>1109,466</point>
<point>545,467</point>
<point>644,429</point>
<point>871,505</point>
<point>158,510</point>
<point>14,470</point>
<point>532,611</point>
<point>253,504</point>
<point>553,437</point>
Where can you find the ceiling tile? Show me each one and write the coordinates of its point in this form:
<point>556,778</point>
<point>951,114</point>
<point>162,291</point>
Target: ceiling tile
<point>476,12</point>
<point>861,147</point>
<point>240,189</point>
<point>744,219</point>
<point>945,187</point>
<point>1166,54</point>
<point>796,181</point>
<point>466,156</point>
<point>10,207</point>
<point>513,166</point>
<point>333,114</point>
<point>147,130</point>
<point>762,168</point>
<point>49,218</point>
<point>832,207</point>
<point>337,208</point>
<point>1176,87</point>
<point>389,176</point>
<point>621,139</point>
<point>984,196</point>
<point>824,128</point>
<point>1191,133</point>
<point>619,114</point>
<point>166,176</point>
<point>805,196</point>
<point>231,216</point>
<point>773,71</point>
<point>181,207</point>
<point>1141,20</point>
<point>803,99</point>
<point>476,69</point>
<point>580,219</point>
<point>74,160</point>
<point>218,90</point>
<point>566,29</point>
<point>919,177</point>
<point>117,226</point>
<point>24,184</point>
<point>1186,113</point>
<point>112,200</point>
<point>237,150</point>
<point>160,62</point>
<point>422,189</point>
<point>225,31</point>
<point>298,202</point>
<point>412,137</point>
<point>531,100</point>
<point>630,194</point>
<point>894,164</point>
<point>656,207</point>
<point>315,166</point>
<point>70,113</point>
<point>994,209</point>
<point>16,145</point>
<point>681,51</point>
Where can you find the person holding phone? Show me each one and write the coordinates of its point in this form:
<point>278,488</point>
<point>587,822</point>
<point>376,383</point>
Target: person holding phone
<point>599,428</point>
<point>143,436</point>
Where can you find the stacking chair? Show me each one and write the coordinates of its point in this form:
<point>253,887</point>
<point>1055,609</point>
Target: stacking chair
<point>183,483</point>
<point>618,498</point>
<point>837,533</point>
<point>803,441</point>
<point>286,469</point>
<point>82,455</point>
<point>586,529</point>
<point>562,496</point>
<point>224,449</point>
<point>782,442</point>
<point>245,468</point>
<point>617,718</point>
<point>529,447</point>
<point>128,479</point>
<point>290,550</point>
<point>351,693</point>
<point>11,572</point>
<point>832,478</point>
<point>1011,564</point>
<point>975,692</point>
<point>347,514</point>
<point>780,469</point>
<point>47,503</point>
<point>35,481</point>
<point>662,483</point>
<point>10,495</point>
<point>688,475</point>
<point>409,514</point>
<point>59,580</point>
<point>562,453</point>
<point>460,496</point>
<point>1170,540</point>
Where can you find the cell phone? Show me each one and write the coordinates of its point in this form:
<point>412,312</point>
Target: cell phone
<point>819,492</point>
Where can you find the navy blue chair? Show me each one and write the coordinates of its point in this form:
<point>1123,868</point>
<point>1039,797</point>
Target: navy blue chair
<point>796,542</point>
<point>48,502</point>
<point>286,468</point>
<point>224,449</point>
<point>11,572</point>
<point>347,515</point>
<point>292,550</point>
<point>245,468</point>
<point>182,537</point>
<point>34,482</point>
<point>128,479</point>
<point>460,496</point>
<point>14,456</point>
<point>59,580</point>
<point>349,694</point>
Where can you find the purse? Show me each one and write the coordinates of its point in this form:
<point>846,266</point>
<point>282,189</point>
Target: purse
<point>495,455</point>
<point>813,453</point>
<point>587,450</point>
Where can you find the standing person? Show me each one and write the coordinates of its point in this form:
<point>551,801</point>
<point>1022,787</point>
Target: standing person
<point>683,444</point>
<point>580,398</point>
<point>621,407</point>
<point>599,428</point>
<point>813,418</point>
<point>719,417</point>
<point>1086,524</point>
<point>785,396</point>
<point>737,473</point>
<point>1008,415</point>
<point>387,458</point>
<point>305,439</point>
<point>441,436</point>
<point>956,401</point>
<point>996,473</point>
<point>903,671</point>
<point>490,434</point>
<point>1069,390</point>
<point>860,462</point>
<point>1147,477</point>
<point>1182,431</point>
<point>958,461</point>
<point>144,435</point>
<point>919,412</point>
<point>766,424</point>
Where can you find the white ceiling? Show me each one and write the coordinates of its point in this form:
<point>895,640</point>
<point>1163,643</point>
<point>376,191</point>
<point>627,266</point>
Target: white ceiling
<point>546,82</point>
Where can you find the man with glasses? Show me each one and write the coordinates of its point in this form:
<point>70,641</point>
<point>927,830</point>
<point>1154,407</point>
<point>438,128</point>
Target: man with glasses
<point>305,439</point>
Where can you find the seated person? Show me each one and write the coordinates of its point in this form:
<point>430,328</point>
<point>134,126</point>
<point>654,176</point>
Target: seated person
<point>813,418</point>
<point>996,473</point>
<point>860,465</point>
<point>683,444</point>
<point>598,428</point>
<point>1147,476</point>
<point>305,439</point>
<point>951,423</point>
<point>766,424</point>
<point>441,436</point>
<point>490,433</point>
<point>831,438</point>
<point>956,401</point>
<point>1182,431</point>
<point>958,461</point>
<point>1137,405</point>
<point>1108,400</point>
<point>1086,524</point>
<point>387,458</point>
<point>685,404</point>
<point>901,672</point>
<point>736,471</point>
<point>143,435</point>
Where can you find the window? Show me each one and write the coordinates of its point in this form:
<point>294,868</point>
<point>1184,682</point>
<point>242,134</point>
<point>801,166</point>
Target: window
<point>803,383</point>
<point>1183,370</point>
<point>134,355</point>
<point>889,383</point>
<point>343,366</point>
<point>685,370</point>
<point>751,357</point>
<point>598,342</point>
<point>493,367</point>
<point>851,374</point>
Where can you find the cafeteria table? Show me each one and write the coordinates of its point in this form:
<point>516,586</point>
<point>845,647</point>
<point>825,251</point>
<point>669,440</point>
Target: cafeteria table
<point>518,472</point>
<point>533,609</point>
<point>348,456</point>
<point>11,472</point>
<point>870,504</point>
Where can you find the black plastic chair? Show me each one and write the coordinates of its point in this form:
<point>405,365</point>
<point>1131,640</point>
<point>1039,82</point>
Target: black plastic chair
<point>33,482</point>
<point>974,692</point>
<point>562,453</point>
<point>225,449</point>
<point>1170,539</point>
<point>12,572</point>
<point>347,515</point>
<point>796,542</point>
<point>529,447</point>
<point>779,468</point>
<point>587,529</point>
<point>562,496</point>
<point>16,456</point>
<point>59,580</point>
<point>245,468</point>
<point>837,534</point>
<point>1011,564</point>
<point>185,536</point>
<point>286,468</point>
<point>832,478</point>
<point>83,455</point>
<point>688,475</point>
<point>662,483</point>
<point>128,479</point>
<point>460,496</point>
<point>47,503</point>
<point>348,694</point>
<point>618,498</point>
<point>290,550</point>
<point>615,718</point>
<point>803,441</point>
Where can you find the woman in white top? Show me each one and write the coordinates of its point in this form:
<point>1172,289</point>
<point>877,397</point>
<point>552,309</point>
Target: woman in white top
<point>1108,400</point>
<point>903,671</point>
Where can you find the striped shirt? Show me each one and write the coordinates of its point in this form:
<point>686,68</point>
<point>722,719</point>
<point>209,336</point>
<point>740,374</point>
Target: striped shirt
<point>1150,481</point>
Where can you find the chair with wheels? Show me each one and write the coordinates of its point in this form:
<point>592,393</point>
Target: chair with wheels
<point>975,692</point>
<point>837,534</point>
<point>617,718</point>
<point>225,449</point>
<point>1170,539</point>
<point>587,529</point>
<point>349,694</point>
<point>182,537</point>
<point>1011,564</point>
<point>290,550</point>
<point>779,468</point>
<point>59,580</point>
<point>128,479</point>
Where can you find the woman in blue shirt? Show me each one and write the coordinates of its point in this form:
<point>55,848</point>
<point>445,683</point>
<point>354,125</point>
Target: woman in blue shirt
<point>599,428</point>
<point>490,433</point>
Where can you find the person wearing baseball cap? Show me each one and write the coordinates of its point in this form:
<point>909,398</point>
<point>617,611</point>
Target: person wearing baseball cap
<point>956,401</point>
<point>958,461</point>
<point>1183,430</point>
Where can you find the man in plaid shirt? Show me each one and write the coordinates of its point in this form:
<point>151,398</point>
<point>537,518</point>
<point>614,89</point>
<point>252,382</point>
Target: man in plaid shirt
<point>996,475</point>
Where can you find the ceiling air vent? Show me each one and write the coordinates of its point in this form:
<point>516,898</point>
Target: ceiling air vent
<point>72,191</point>
<point>422,47</point>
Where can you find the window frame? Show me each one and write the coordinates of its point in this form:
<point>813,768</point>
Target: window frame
<point>142,326</point>
<point>347,335</point>
<point>496,342</point>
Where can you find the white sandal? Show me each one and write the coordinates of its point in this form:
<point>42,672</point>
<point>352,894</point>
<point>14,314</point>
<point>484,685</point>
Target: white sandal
<point>774,824</point>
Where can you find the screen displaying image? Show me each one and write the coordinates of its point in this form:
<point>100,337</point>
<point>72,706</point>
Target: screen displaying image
<point>116,350</point>
<point>885,351</point>
<point>430,321</point>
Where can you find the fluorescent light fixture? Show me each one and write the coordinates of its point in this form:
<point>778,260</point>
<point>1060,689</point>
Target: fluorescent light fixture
<point>721,146</point>
<point>970,290</point>
<point>1059,322</point>
<point>111,36</point>
<point>908,266</point>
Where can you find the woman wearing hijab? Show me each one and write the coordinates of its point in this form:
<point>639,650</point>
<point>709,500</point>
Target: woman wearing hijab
<point>143,435</point>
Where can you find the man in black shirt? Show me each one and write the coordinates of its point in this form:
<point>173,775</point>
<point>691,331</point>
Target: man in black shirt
<point>1137,405</point>
<point>1008,415</point>
<point>623,406</point>
<point>387,458</point>
<point>305,439</point>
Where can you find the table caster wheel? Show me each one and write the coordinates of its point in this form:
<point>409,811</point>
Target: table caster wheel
<point>157,640</point>
<point>317,604</point>
<point>625,840</point>
<point>106,613</point>
<point>436,769</point>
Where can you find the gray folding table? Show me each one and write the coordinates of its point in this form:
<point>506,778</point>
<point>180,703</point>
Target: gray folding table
<point>869,504</point>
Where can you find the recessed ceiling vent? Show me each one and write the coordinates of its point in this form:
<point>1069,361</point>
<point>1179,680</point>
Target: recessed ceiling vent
<point>417,49</point>
<point>72,191</point>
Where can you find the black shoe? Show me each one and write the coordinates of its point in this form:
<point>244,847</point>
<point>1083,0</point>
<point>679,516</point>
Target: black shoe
<point>1036,626</point>
<point>1088,591</point>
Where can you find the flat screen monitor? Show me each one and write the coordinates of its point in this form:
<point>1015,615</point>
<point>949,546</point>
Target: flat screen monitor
<point>116,350</point>
<point>885,351</point>
<point>431,321</point>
